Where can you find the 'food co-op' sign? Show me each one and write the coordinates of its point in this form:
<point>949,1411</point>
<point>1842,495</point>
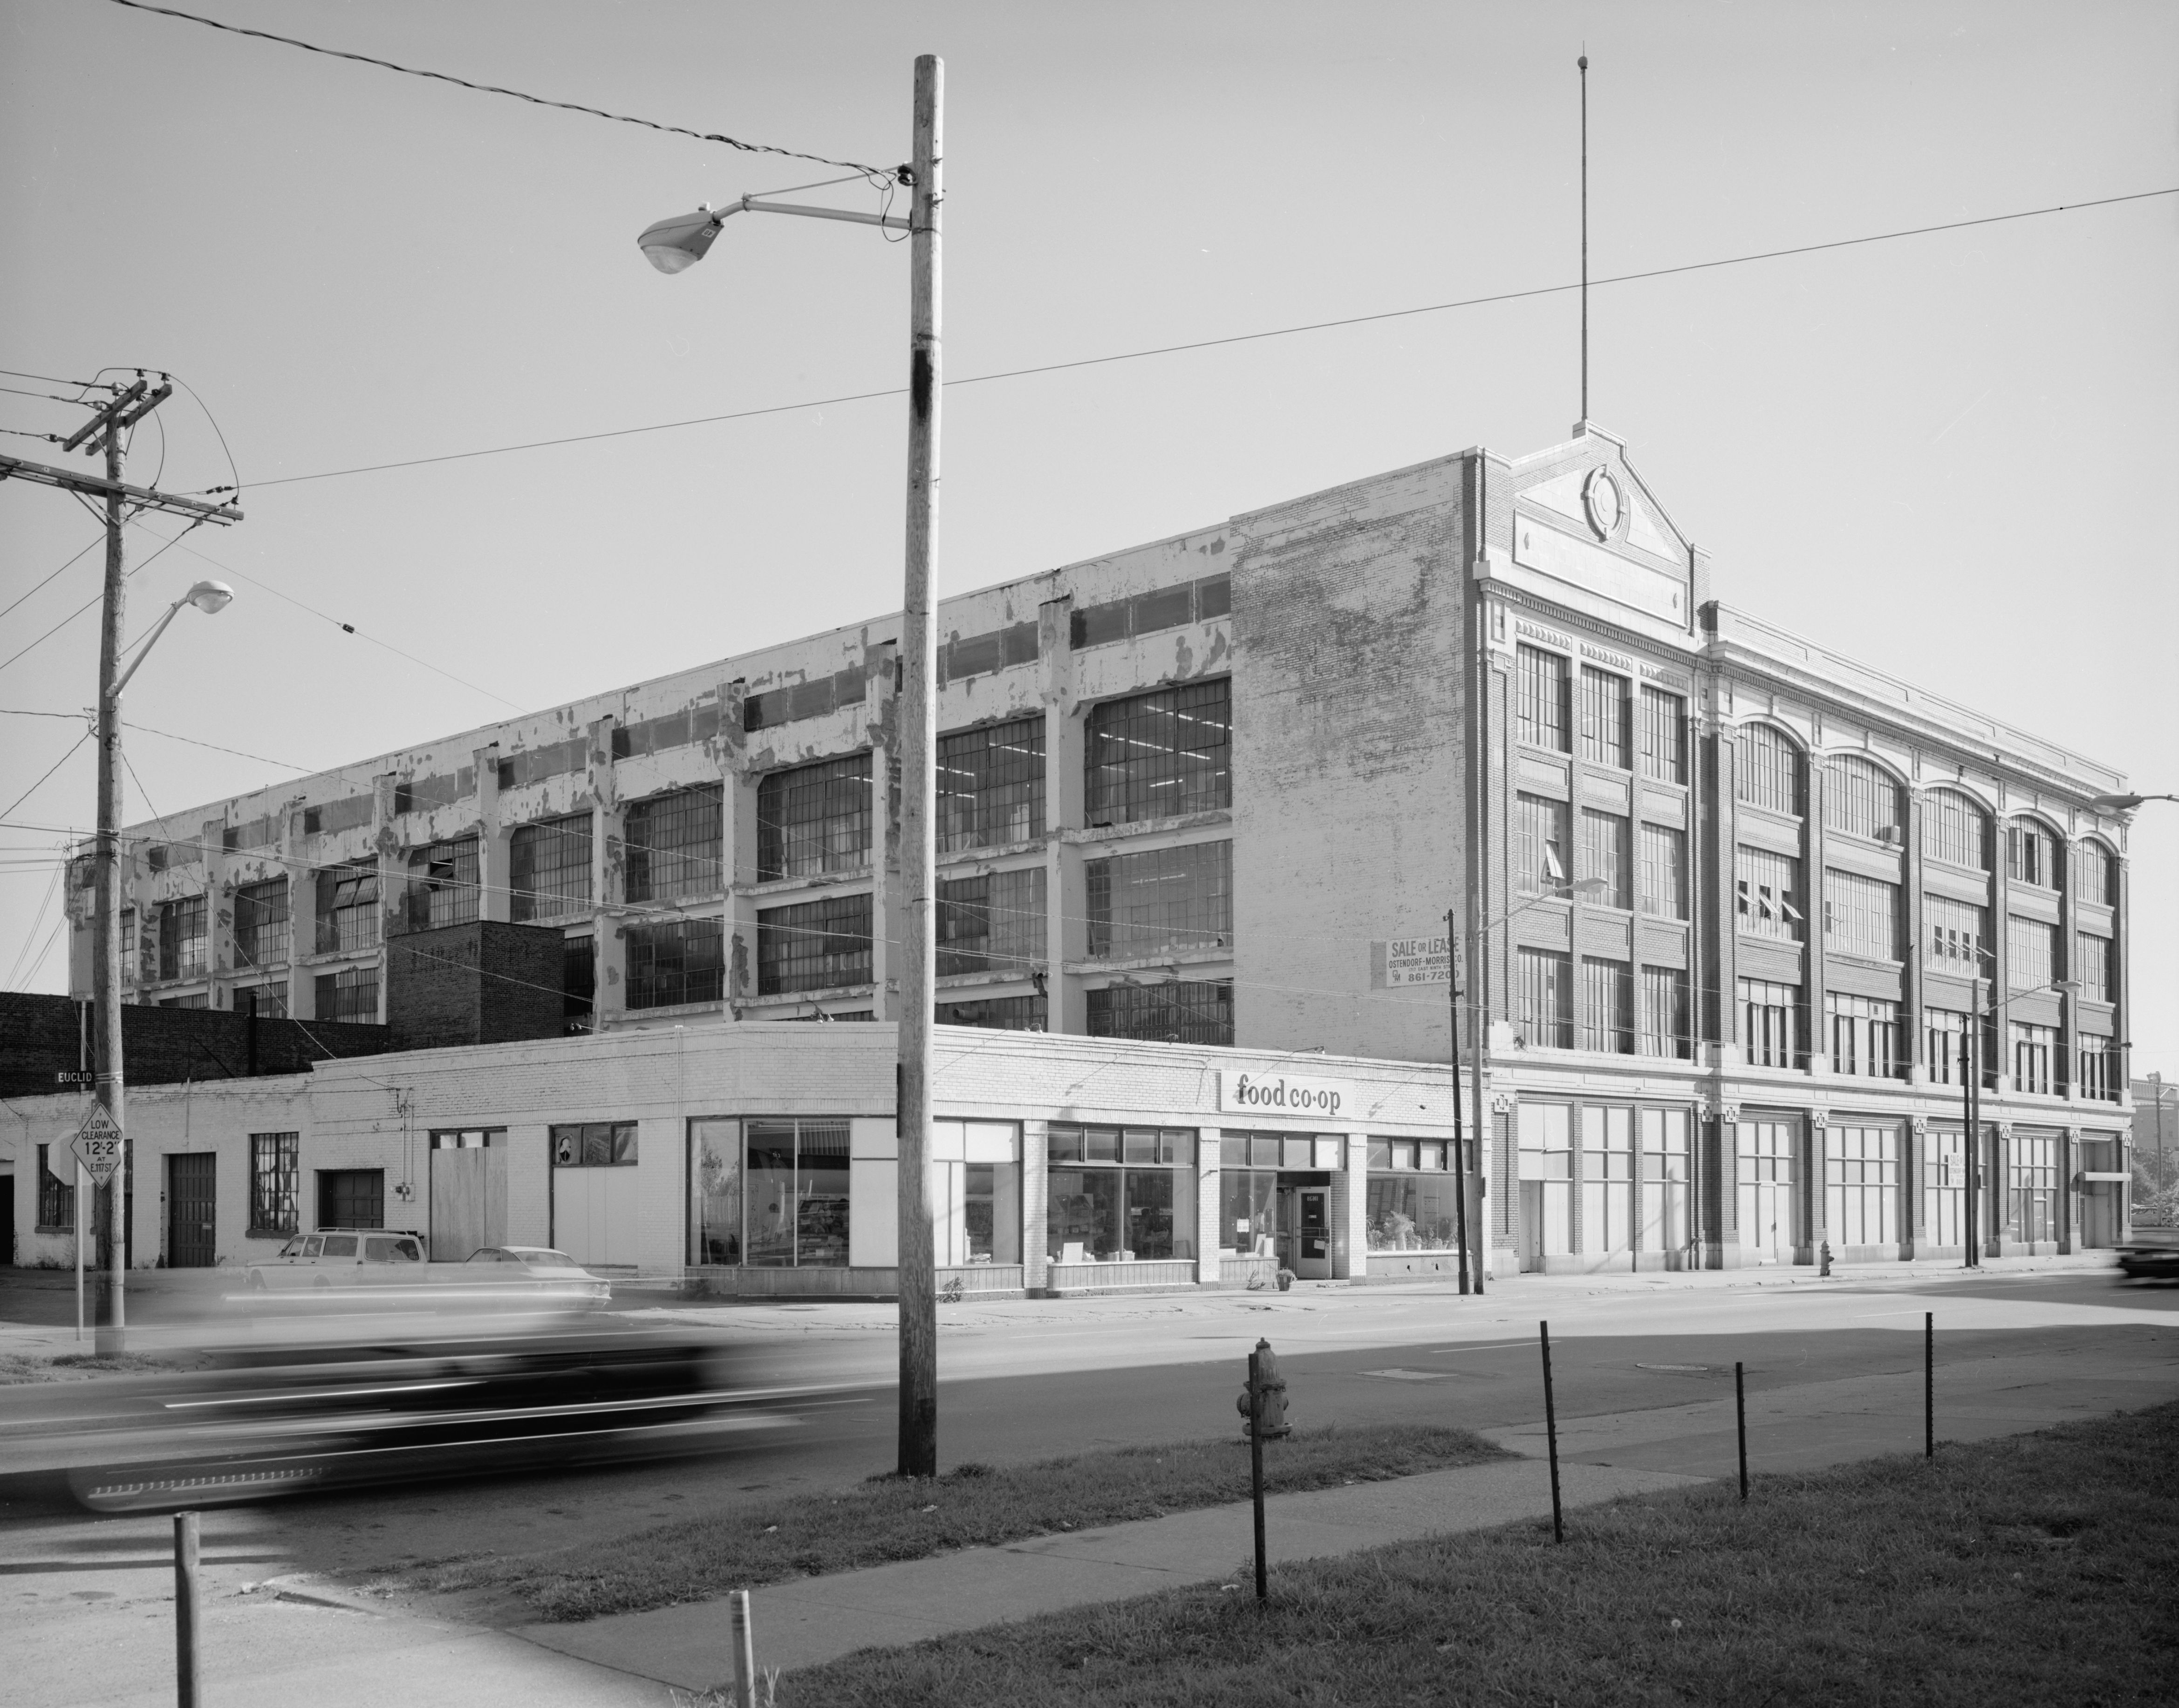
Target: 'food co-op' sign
<point>1276,1094</point>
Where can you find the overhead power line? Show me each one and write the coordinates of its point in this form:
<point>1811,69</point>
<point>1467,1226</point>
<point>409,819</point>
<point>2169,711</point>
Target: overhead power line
<point>876,172</point>
<point>1217,342</point>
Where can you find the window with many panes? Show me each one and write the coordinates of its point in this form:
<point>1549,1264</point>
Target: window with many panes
<point>990,785</point>
<point>2095,874</point>
<point>1954,830</point>
<point>1160,754</point>
<point>1540,836</point>
<point>594,1145</point>
<point>991,923</point>
<point>2035,1058</point>
<point>814,946</point>
<point>1861,1184</point>
<point>996,1013</point>
<point>348,909</point>
<point>276,1183</point>
<point>548,868</point>
<point>443,885</point>
<point>1767,769</point>
<point>1543,998</point>
<point>1160,900</point>
<point>2100,1075</point>
<point>1664,871</point>
<point>267,1002</point>
<point>1606,717</point>
<point>1542,685</point>
<point>1944,1045</point>
<point>1767,896</point>
<point>1184,1011</point>
<point>1864,1035</point>
<point>2031,1206</point>
<point>1664,740</point>
<point>1861,915</point>
<point>773,1194</point>
<point>673,844</point>
<point>1607,1007</point>
<point>1667,1023</point>
<point>2093,964</point>
<point>2031,953</point>
<point>182,938</point>
<point>351,994</point>
<point>1861,798</point>
<point>1604,856</point>
<point>1119,1193</point>
<point>261,924</point>
<point>1412,1203</point>
<point>815,819</point>
<point>675,961</point>
<point>1770,1024</point>
<point>2031,855</point>
<point>1958,936</point>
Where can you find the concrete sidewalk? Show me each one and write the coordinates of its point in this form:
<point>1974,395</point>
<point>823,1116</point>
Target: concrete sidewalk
<point>817,1619</point>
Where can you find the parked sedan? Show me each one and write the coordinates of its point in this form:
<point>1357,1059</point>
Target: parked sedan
<point>552,1272</point>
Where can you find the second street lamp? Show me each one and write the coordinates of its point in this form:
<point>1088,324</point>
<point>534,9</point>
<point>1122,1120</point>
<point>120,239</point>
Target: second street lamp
<point>673,246</point>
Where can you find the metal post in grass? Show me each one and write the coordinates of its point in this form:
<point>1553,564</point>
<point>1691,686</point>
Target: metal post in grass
<point>1740,1422</point>
<point>188,1681</point>
<point>1551,1434</point>
<point>1929,1384</point>
<point>1256,1467</point>
<point>745,1641</point>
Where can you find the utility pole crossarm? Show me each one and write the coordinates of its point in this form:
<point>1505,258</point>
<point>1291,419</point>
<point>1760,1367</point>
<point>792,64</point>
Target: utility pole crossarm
<point>99,487</point>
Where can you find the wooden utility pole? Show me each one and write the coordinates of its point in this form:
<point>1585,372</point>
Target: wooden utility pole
<point>919,799</point>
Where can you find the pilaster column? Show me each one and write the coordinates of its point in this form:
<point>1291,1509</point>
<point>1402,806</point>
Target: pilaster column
<point>494,899</point>
<point>888,903</point>
<point>392,876</point>
<point>608,879</point>
<point>1818,941</point>
<point>1066,889</point>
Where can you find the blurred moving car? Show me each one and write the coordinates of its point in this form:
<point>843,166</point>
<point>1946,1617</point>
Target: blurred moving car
<point>2151,1253</point>
<point>330,1246</point>
<point>552,1271</point>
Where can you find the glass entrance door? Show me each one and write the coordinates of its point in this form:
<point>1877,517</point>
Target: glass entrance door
<point>1770,1228</point>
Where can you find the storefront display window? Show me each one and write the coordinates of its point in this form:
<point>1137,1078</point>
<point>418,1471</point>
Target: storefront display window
<point>1248,1211</point>
<point>1410,1196</point>
<point>1119,1194</point>
<point>975,1192</point>
<point>769,1194</point>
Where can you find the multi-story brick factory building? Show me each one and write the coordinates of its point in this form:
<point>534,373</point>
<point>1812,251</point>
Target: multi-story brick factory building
<point>1743,905</point>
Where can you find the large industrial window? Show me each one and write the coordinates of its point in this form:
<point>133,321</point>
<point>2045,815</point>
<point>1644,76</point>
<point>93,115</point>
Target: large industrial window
<point>1664,871</point>
<point>815,819</point>
<point>1607,1007</point>
<point>2031,953</point>
<point>996,1013</point>
<point>1861,1185</point>
<point>1606,709</point>
<point>2095,874</point>
<point>1770,1024</point>
<point>267,1002</point>
<point>2031,856</point>
<point>2099,1070</point>
<point>673,844</point>
<point>771,1194</point>
<point>1767,771</point>
<point>1540,847</point>
<point>2031,1209</point>
<point>1864,1035</point>
<point>1545,1164</point>
<point>1955,831</point>
<point>1944,1187</point>
<point>1664,735</point>
<point>548,868</point>
<point>1768,896</point>
<point>182,938</point>
<point>1667,1029</point>
<point>348,909</point>
<point>990,785</point>
<point>1162,900</point>
<point>1146,614</point>
<point>1958,935</point>
<point>442,884</point>
<point>994,923</point>
<point>2034,1056</point>
<point>814,946</point>
<point>2092,966</point>
<point>1187,1011</point>
<point>1861,915</point>
<point>1944,1045</point>
<point>1161,755</point>
<point>261,924</point>
<point>1119,1194</point>
<point>275,1183</point>
<point>351,994</point>
<point>1543,999</point>
<point>1607,1178</point>
<point>1604,856</point>
<point>1861,798</point>
<point>1542,683</point>
<point>1666,1181</point>
<point>56,1196</point>
<point>674,961</point>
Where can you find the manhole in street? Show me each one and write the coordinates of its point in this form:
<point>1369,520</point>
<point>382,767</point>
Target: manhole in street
<point>1410,1374</point>
<point>1677,1369</point>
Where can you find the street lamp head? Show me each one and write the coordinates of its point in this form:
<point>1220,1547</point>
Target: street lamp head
<point>211,597</point>
<point>676,245</point>
<point>2116,803</point>
<point>1589,889</point>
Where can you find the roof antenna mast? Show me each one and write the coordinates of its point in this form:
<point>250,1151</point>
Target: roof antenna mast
<point>1583,64</point>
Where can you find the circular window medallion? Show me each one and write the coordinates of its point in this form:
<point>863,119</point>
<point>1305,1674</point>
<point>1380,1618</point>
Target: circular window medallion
<point>1600,497</point>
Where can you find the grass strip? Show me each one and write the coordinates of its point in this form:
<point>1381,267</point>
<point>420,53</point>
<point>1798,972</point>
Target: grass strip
<point>70,1366</point>
<point>890,1518</point>
<point>2036,1568</point>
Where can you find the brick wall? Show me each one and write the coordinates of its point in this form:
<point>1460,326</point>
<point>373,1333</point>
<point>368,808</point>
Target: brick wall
<point>40,1038</point>
<point>486,982</point>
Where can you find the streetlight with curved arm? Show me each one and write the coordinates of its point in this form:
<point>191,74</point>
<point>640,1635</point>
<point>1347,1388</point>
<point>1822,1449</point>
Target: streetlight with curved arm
<point>1969,1048</point>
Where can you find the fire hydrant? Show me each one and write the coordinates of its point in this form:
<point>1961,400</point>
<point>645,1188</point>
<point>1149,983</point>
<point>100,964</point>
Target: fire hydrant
<point>1823,1259</point>
<point>1268,1390</point>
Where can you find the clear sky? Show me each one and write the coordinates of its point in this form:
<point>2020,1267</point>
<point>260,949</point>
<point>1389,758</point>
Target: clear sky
<point>1951,456</point>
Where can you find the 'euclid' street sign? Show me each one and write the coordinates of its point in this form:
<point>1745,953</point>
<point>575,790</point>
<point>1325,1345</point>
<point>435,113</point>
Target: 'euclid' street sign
<point>98,1144</point>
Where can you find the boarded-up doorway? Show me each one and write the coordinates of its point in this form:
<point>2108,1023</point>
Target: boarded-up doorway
<point>192,1211</point>
<point>468,1193</point>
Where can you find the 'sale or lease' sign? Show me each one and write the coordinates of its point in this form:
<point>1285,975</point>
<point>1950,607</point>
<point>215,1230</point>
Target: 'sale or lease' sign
<point>1397,962</point>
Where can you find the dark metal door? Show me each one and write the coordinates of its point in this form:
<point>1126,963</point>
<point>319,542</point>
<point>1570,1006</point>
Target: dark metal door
<point>191,1211</point>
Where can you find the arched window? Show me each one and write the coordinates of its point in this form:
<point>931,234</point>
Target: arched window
<point>2095,873</point>
<point>1768,772</point>
<point>1861,798</point>
<point>2031,855</point>
<point>1955,831</point>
